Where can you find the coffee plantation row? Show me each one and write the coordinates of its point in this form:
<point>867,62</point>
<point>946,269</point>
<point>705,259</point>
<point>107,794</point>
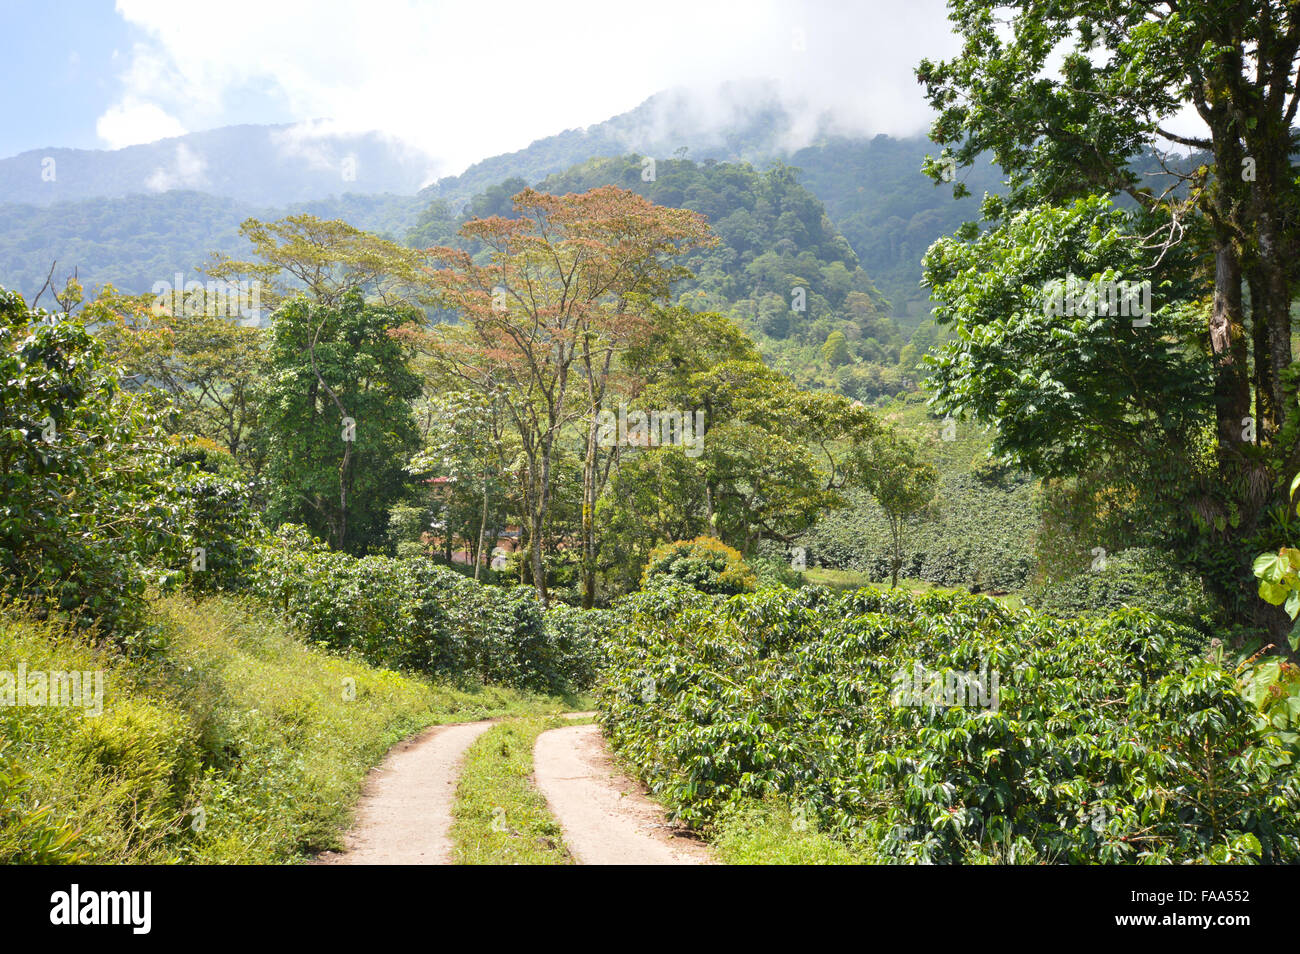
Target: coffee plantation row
<point>1118,739</point>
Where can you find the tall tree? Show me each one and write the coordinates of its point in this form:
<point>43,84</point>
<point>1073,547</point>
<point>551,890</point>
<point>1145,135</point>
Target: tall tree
<point>1093,126</point>
<point>338,416</point>
<point>903,484</point>
<point>566,285</point>
<point>325,259</point>
<point>208,366</point>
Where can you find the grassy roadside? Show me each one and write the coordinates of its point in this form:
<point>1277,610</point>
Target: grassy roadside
<point>230,742</point>
<point>501,819</point>
<point>768,833</point>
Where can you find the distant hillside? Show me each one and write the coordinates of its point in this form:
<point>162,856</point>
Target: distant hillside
<point>782,271</point>
<point>258,165</point>
<point>736,122</point>
<point>137,215</point>
<point>875,194</point>
<point>136,240</point>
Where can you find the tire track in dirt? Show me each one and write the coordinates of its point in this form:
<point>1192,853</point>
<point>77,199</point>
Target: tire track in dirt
<point>606,817</point>
<point>404,815</point>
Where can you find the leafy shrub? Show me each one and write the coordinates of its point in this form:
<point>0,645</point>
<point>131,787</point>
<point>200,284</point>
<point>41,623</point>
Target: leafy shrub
<point>219,518</point>
<point>769,571</point>
<point>579,638</point>
<point>1139,578</point>
<point>993,471</point>
<point>417,615</point>
<point>1109,742</point>
<point>91,511</point>
<point>705,563</point>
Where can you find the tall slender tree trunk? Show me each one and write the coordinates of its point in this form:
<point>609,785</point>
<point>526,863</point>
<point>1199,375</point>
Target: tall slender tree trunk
<point>1266,413</point>
<point>1271,281</point>
<point>592,484</point>
<point>589,517</point>
<point>537,519</point>
<point>482,529</point>
<point>1228,344</point>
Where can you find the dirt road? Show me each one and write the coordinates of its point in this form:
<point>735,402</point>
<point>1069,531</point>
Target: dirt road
<point>606,817</point>
<point>404,816</point>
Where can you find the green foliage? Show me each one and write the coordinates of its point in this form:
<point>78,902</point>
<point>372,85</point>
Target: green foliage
<point>204,366</point>
<point>902,484</point>
<point>1145,579</point>
<point>835,350</point>
<point>1279,576</point>
<point>1273,686</point>
<point>775,570</point>
<point>782,271</point>
<point>974,533</point>
<point>327,364</point>
<point>91,506</point>
<point>1063,391</point>
<point>797,693</point>
<point>466,446</point>
<point>705,563</point>
<point>220,520</point>
<point>414,614</point>
<point>769,460</point>
<point>890,213</point>
<point>229,713</point>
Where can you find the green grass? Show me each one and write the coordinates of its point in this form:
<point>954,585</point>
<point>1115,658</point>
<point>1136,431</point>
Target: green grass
<point>848,580</point>
<point>501,819</point>
<point>854,579</point>
<point>231,714</point>
<point>768,833</point>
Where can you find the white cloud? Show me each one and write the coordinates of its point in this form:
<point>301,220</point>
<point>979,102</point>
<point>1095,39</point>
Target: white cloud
<point>185,173</point>
<point>461,81</point>
<point>131,121</point>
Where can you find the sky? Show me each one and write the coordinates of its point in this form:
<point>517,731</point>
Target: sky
<point>460,81</point>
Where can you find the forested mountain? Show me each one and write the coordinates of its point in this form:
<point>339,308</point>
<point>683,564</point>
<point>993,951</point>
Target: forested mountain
<point>888,211</point>
<point>172,202</point>
<point>259,165</point>
<point>137,240</point>
<point>782,270</point>
<point>131,242</point>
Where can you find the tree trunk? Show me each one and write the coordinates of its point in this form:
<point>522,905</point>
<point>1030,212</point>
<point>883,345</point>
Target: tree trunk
<point>589,516</point>
<point>896,531</point>
<point>535,556</point>
<point>537,519</point>
<point>1228,343</point>
<point>482,528</point>
<point>1273,310</point>
<point>1266,414</point>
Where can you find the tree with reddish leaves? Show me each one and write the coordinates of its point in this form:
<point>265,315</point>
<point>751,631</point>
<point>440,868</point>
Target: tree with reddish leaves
<point>555,295</point>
